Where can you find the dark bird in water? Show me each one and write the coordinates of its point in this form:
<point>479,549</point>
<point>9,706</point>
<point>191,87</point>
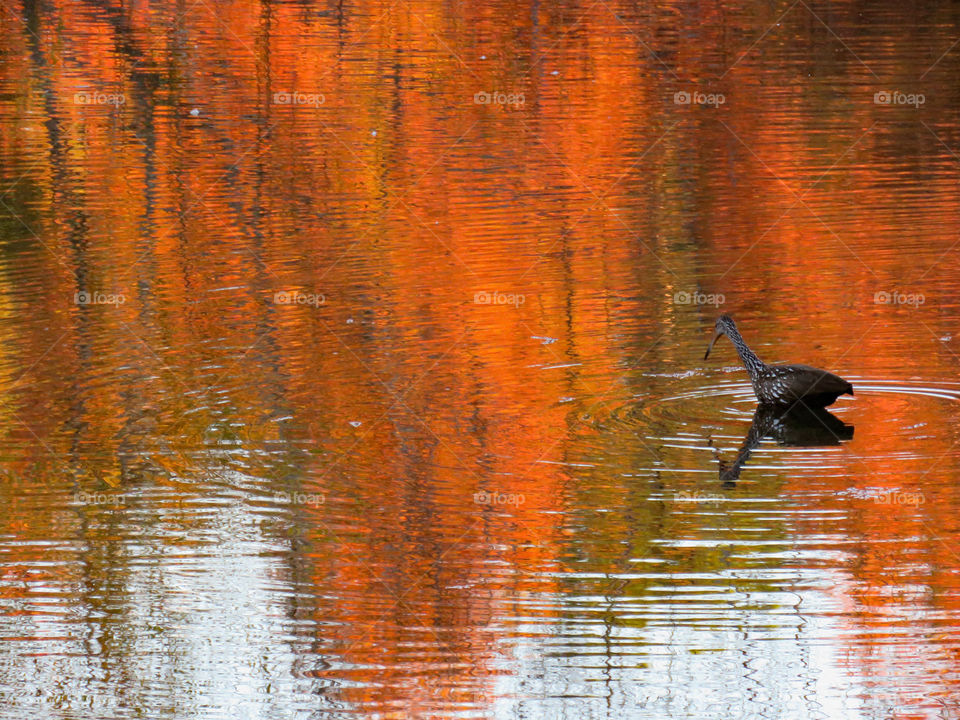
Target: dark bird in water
<point>782,384</point>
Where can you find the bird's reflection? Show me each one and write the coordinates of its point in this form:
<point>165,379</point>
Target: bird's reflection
<point>798,426</point>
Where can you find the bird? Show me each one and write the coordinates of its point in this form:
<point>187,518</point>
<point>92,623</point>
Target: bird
<point>781,384</point>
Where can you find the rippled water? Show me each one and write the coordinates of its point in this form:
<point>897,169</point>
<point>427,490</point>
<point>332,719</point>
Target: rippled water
<point>352,360</point>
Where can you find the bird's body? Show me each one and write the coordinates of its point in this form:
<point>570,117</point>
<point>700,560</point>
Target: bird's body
<point>782,384</point>
<point>786,384</point>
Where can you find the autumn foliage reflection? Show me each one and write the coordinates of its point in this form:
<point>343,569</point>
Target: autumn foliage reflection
<point>197,160</point>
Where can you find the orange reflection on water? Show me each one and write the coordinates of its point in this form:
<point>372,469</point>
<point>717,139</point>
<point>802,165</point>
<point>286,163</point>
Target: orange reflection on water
<point>490,470</point>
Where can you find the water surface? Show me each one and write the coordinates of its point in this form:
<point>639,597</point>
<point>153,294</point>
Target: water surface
<point>352,360</point>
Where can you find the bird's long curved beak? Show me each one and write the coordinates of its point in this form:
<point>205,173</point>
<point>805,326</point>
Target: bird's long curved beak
<point>710,346</point>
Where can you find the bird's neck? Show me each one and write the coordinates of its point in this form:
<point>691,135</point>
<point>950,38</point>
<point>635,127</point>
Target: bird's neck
<point>748,357</point>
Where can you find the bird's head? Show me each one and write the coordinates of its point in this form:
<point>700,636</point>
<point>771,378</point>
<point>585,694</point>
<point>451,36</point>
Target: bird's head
<point>723,326</point>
